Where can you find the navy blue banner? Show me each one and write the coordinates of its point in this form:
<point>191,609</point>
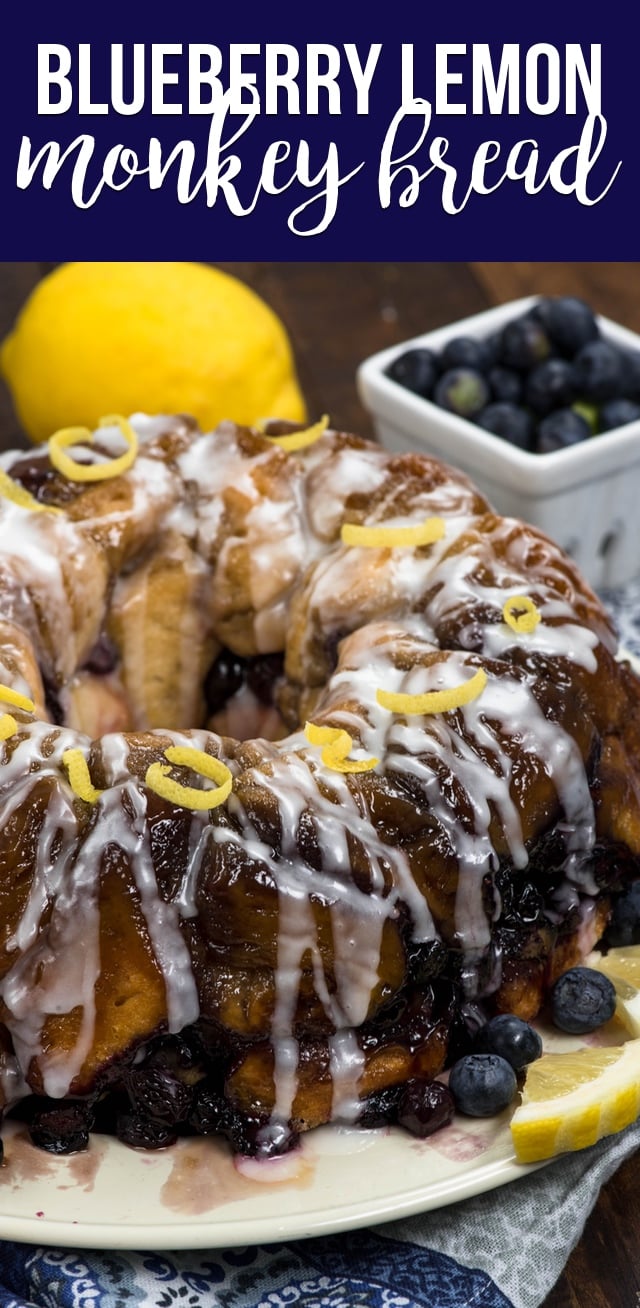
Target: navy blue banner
<point>475,132</point>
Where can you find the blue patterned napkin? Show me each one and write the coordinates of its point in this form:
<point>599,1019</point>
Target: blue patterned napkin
<point>503,1249</point>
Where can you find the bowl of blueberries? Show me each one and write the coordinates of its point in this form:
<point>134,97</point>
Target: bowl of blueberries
<point>538,401</point>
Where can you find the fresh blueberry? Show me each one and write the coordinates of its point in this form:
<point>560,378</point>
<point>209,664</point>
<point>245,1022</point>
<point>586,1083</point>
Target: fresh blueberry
<point>624,927</point>
<point>463,391</point>
<point>599,371</point>
<point>493,348</point>
<point>464,352</point>
<point>416,370</point>
<point>561,429</point>
<point>524,343</point>
<point>582,1000</point>
<point>617,413</point>
<point>589,412</point>
<point>505,383</point>
<point>568,321</point>
<point>550,386</point>
<point>511,1038</point>
<point>509,421</point>
<point>631,366</point>
<point>482,1084</point>
<point>425,1107</point>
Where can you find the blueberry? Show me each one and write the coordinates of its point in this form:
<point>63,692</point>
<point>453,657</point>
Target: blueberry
<point>561,429</point>
<point>103,656</point>
<point>38,476</point>
<point>617,413</point>
<point>257,1137</point>
<point>582,1000</point>
<point>141,1132</point>
<point>493,347</point>
<point>380,1107</point>
<point>505,383</point>
<point>426,960</point>
<point>482,1084</point>
<point>509,421</point>
<point>568,321</point>
<point>416,370</point>
<point>158,1093</point>
<point>61,1127</point>
<point>599,371</point>
<point>263,673</point>
<point>464,352</point>
<point>209,1113</point>
<point>589,412</point>
<point>624,927</point>
<point>171,1052</point>
<point>524,343</point>
<point>463,391</point>
<point>550,386</point>
<point>425,1107</point>
<point>631,367</point>
<point>225,677</point>
<point>511,1038</point>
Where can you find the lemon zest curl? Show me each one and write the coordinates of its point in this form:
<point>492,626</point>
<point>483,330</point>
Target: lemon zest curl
<point>298,440</point>
<point>337,745</point>
<point>9,696</point>
<point>521,614</point>
<point>8,724</point>
<point>158,780</point>
<point>434,701</point>
<point>13,491</point>
<point>73,471</point>
<point>423,533</point>
<point>79,776</point>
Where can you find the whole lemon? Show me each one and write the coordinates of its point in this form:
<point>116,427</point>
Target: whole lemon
<point>98,338</point>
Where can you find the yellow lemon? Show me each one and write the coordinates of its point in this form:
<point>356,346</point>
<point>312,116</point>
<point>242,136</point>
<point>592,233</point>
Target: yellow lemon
<point>622,966</point>
<point>98,338</point>
<point>571,1100</point>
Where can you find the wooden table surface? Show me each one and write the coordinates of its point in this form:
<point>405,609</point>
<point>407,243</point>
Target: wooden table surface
<point>337,314</point>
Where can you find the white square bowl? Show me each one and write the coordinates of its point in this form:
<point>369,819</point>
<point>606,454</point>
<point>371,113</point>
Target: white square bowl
<point>587,497</point>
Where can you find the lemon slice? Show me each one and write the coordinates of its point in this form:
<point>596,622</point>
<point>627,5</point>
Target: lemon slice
<point>622,966</point>
<point>571,1100</point>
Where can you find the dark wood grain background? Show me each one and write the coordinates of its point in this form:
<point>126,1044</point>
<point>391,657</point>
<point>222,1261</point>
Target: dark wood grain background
<point>337,314</point>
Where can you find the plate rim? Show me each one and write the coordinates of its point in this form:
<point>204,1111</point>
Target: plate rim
<point>232,1232</point>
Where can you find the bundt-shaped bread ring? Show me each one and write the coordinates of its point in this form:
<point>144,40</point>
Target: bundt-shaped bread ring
<point>442,830</point>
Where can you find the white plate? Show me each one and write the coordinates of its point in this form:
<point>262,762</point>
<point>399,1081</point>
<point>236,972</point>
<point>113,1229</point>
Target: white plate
<point>193,1196</point>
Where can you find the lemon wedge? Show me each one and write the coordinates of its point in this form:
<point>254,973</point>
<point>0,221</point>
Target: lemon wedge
<point>572,1100</point>
<point>622,966</point>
